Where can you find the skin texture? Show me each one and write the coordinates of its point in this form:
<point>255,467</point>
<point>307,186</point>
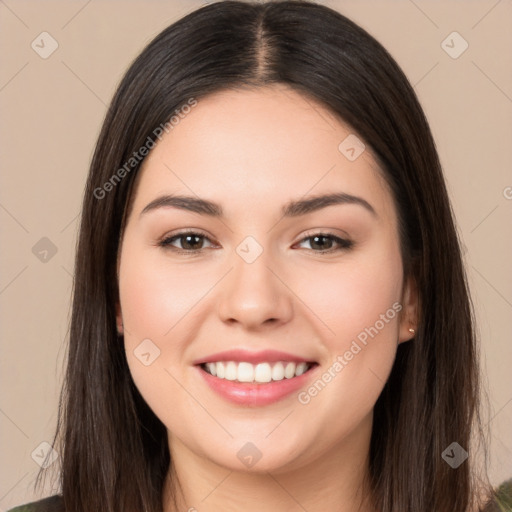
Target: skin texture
<point>252,151</point>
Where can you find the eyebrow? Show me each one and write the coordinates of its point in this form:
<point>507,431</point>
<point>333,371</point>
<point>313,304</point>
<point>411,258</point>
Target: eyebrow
<point>294,208</point>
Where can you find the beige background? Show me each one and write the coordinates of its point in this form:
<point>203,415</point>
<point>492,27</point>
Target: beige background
<point>51,112</point>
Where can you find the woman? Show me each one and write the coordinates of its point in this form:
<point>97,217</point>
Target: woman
<point>270,307</point>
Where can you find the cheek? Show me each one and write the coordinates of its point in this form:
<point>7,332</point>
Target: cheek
<point>155,306</point>
<point>154,295</point>
<point>156,303</point>
<point>351,297</point>
<point>361,304</point>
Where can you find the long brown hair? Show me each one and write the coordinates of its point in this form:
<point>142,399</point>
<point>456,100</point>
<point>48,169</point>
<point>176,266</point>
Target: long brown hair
<point>114,449</point>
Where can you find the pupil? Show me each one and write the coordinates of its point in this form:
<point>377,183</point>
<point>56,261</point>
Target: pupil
<point>192,245</point>
<point>192,241</point>
<point>321,237</point>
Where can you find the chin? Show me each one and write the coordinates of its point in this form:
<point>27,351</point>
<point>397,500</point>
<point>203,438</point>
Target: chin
<point>257,455</point>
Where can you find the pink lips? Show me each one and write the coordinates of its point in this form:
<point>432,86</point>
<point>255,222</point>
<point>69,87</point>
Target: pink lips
<point>238,355</point>
<point>254,394</point>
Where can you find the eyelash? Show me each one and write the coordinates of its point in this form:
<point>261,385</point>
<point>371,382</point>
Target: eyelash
<point>165,243</point>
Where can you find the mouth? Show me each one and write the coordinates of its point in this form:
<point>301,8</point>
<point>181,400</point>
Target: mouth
<point>255,379</point>
<point>261,373</point>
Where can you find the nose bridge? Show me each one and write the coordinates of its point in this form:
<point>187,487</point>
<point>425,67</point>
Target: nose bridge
<point>252,294</point>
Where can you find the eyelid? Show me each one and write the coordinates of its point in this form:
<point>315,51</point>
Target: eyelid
<point>165,240</point>
<point>338,234</point>
<point>343,243</point>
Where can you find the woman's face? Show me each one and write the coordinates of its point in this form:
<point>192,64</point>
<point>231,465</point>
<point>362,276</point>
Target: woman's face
<point>309,296</point>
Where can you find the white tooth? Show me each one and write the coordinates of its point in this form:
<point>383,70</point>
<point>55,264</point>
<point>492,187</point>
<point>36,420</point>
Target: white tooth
<point>263,373</point>
<point>231,372</point>
<point>289,370</point>
<point>221,371</point>
<point>212,368</point>
<point>278,371</point>
<point>245,372</point>
<point>301,368</point>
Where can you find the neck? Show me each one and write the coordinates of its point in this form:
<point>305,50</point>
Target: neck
<point>333,481</point>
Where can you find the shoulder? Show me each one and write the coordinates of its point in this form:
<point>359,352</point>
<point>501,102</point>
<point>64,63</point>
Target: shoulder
<point>51,504</point>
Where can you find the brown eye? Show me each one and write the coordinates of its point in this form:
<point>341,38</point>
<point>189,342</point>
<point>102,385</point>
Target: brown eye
<point>189,241</point>
<point>326,242</point>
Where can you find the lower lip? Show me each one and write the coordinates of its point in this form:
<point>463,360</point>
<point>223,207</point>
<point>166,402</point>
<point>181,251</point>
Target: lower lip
<point>255,394</point>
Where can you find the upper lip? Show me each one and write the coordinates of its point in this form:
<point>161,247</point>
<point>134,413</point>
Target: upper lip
<point>240,355</point>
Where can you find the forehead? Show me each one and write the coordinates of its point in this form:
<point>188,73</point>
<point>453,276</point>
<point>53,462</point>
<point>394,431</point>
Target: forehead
<point>257,147</point>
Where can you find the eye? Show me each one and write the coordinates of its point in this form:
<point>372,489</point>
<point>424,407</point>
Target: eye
<point>190,241</point>
<point>324,242</point>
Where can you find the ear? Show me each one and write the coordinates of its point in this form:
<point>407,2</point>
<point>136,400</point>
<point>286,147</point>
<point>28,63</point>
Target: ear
<point>409,316</point>
<point>119,319</point>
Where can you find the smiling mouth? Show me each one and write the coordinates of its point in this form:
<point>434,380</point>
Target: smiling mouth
<point>261,373</point>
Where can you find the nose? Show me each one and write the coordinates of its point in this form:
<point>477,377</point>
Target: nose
<point>254,295</point>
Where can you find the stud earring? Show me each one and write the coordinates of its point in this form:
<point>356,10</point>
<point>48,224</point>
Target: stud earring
<point>412,330</point>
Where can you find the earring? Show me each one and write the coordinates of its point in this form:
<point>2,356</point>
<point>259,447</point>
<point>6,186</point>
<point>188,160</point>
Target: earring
<point>412,330</point>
